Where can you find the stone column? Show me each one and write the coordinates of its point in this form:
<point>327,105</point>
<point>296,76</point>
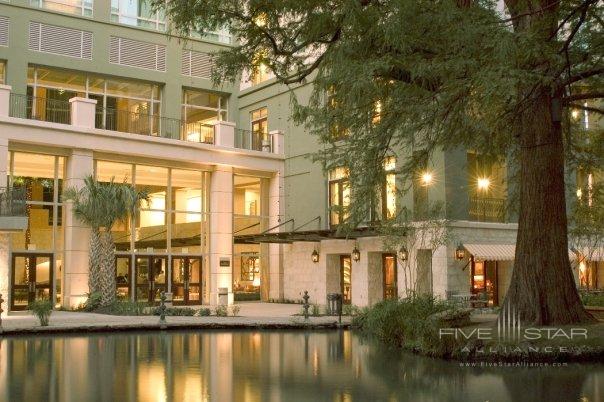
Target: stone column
<point>77,236</point>
<point>276,212</point>
<point>5,270</point>
<point>221,233</point>
<point>83,112</point>
<point>278,144</point>
<point>3,162</point>
<point>4,99</point>
<point>224,134</point>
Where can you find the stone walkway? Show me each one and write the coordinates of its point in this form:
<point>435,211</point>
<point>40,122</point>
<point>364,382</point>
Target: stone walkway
<point>251,315</point>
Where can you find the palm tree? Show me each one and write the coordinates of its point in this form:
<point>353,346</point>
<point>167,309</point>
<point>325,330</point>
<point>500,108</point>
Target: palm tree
<point>100,206</point>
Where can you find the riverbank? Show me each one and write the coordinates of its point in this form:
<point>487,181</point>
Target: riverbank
<point>251,315</point>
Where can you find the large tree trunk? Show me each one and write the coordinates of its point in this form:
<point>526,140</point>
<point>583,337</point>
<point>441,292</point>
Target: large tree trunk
<point>94,269</point>
<point>543,290</point>
<point>107,285</point>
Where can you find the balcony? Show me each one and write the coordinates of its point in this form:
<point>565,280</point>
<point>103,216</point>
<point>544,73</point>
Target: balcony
<point>483,209</point>
<point>84,113</point>
<point>12,201</point>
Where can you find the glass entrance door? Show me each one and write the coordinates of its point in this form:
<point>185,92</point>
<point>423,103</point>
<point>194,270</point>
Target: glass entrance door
<point>31,279</point>
<point>123,276</point>
<point>150,277</point>
<point>186,280</point>
<point>345,278</point>
<point>389,275</point>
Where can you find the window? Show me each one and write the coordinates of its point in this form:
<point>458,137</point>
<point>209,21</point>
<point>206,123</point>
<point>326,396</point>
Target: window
<point>389,189</point>
<point>585,186</point>
<point>76,7</point>
<point>200,110</point>
<point>486,187</point>
<point>250,267</point>
<point>137,13</point>
<point>173,220</point>
<point>222,35</point>
<point>259,119</point>
<point>122,105</point>
<point>339,195</point>
<point>2,72</point>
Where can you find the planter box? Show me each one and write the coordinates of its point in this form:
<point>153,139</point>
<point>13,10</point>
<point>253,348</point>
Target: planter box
<point>596,311</point>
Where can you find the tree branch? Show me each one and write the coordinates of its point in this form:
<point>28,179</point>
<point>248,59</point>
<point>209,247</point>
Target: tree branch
<point>587,95</point>
<point>587,108</point>
<point>583,75</point>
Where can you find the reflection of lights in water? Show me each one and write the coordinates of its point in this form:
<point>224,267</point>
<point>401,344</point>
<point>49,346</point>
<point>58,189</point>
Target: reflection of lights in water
<point>315,362</point>
<point>151,383</point>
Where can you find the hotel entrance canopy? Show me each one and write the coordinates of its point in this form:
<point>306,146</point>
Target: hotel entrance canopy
<point>497,252</point>
<point>305,235</point>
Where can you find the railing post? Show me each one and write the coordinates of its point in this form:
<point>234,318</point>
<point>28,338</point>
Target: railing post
<point>277,139</point>
<point>83,112</point>
<point>5,100</point>
<point>224,134</point>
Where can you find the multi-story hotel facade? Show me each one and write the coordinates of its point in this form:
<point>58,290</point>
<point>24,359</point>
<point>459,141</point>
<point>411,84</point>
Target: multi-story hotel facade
<point>237,209</point>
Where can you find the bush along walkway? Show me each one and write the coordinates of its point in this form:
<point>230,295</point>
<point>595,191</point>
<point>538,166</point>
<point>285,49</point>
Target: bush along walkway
<point>431,327</point>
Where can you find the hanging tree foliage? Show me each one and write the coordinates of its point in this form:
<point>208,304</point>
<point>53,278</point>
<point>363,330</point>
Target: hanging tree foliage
<point>425,75</point>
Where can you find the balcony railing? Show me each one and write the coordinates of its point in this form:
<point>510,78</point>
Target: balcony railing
<point>35,108</point>
<point>153,125</point>
<point>247,139</point>
<point>487,209</point>
<point>12,201</point>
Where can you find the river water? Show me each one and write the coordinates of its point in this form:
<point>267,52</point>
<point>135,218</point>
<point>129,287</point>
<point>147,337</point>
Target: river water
<point>250,366</point>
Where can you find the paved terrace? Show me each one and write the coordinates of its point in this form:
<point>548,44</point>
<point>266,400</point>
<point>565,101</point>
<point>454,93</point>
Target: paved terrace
<point>251,315</point>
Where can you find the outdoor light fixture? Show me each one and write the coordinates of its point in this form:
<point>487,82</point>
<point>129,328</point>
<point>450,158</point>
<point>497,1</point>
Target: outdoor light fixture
<point>484,183</point>
<point>575,114</point>
<point>460,252</point>
<point>315,256</point>
<point>403,253</point>
<point>427,178</point>
<point>356,254</point>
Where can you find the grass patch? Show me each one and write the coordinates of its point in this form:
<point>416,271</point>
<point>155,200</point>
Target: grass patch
<point>592,298</point>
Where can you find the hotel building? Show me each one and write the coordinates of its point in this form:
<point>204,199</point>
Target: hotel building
<point>237,210</point>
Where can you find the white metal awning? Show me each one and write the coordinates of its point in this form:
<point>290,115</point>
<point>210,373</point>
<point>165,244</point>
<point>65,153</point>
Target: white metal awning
<point>501,252</point>
<point>591,254</point>
<point>492,252</point>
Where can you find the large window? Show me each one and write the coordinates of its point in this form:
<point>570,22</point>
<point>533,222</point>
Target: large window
<point>220,35</point>
<point>200,110</point>
<point>487,187</point>
<point>2,72</point>
<point>138,13</point>
<point>259,120</point>
<point>123,105</point>
<point>339,195</point>
<point>40,178</point>
<point>76,7</point>
<point>385,207</point>
<point>174,218</point>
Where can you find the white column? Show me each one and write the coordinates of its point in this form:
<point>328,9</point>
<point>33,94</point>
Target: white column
<point>4,99</point>
<point>221,233</point>
<point>224,134</point>
<point>83,112</point>
<point>77,235</point>
<point>278,141</point>
<point>5,270</point>
<point>276,213</point>
<point>3,161</point>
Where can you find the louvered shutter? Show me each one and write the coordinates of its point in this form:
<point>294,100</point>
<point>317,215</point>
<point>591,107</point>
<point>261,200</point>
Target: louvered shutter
<point>4,23</point>
<point>134,53</point>
<point>60,40</point>
<point>196,64</point>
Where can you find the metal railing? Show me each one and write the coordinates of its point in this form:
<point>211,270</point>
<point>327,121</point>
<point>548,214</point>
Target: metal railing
<point>12,201</point>
<point>247,139</point>
<point>153,125</point>
<point>487,209</point>
<point>43,109</point>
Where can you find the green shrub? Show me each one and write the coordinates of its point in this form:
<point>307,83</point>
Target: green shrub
<point>221,311</point>
<point>315,310</point>
<point>173,311</point>
<point>246,296</point>
<point>592,298</point>
<point>42,309</point>
<point>409,323</point>
<point>350,309</point>
<point>92,302</point>
<point>204,312</point>
<point>235,308</point>
<point>125,307</point>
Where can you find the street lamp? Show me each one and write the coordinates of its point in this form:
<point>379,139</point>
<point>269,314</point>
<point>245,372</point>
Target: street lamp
<point>356,254</point>
<point>403,253</point>
<point>460,252</point>
<point>484,183</point>
<point>315,256</point>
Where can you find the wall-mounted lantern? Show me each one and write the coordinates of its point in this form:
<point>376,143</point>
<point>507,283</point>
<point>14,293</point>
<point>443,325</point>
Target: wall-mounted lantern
<point>460,252</point>
<point>356,254</point>
<point>403,254</point>
<point>315,256</point>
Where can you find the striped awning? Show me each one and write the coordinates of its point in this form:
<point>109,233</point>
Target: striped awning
<point>499,252</point>
<point>492,252</point>
<point>591,254</point>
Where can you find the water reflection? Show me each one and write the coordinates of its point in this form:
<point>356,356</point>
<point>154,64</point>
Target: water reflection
<point>262,366</point>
